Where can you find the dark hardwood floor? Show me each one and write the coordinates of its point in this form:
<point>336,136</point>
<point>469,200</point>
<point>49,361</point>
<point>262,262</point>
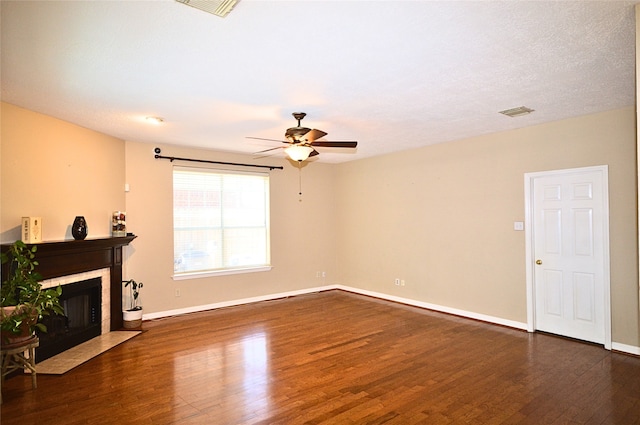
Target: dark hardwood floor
<point>334,358</point>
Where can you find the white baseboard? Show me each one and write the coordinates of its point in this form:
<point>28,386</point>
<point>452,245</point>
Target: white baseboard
<point>630,349</point>
<point>407,301</point>
<point>436,307</point>
<point>230,303</point>
<point>624,348</point>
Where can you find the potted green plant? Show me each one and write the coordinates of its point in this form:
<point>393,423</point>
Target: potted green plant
<point>23,301</point>
<point>132,317</point>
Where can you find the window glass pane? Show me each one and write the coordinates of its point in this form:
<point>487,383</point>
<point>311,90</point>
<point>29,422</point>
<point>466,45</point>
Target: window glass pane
<point>245,246</point>
<point>221,220</point>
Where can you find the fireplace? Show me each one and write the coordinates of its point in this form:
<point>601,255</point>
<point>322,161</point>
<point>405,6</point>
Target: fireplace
<point>82,303</point>
<point>71,261</point>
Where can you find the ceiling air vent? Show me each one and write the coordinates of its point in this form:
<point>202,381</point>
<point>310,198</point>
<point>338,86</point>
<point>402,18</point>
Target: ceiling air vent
<point>217,7</point>
<point>517,112</point>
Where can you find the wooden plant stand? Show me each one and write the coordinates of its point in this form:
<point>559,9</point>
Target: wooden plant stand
<point>21,355</point>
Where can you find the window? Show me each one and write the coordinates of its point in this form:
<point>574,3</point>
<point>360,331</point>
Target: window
<point>220,222</point>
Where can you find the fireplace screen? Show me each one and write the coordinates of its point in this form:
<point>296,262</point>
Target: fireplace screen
<point>82,303</point>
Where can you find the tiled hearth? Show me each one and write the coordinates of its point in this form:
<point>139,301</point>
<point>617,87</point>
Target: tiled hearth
<point>84,352</point>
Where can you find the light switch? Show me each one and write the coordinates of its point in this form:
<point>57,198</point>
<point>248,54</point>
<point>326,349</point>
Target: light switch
<point>518,225</point>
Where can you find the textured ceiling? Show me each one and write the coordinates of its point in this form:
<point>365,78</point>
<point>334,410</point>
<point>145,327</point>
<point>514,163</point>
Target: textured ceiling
<point>393,75</point>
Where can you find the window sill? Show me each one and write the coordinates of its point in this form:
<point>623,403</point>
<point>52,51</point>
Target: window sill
<point>212,273</point>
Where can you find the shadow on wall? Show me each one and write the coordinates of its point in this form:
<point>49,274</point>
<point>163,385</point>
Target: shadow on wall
<point>11,235</point>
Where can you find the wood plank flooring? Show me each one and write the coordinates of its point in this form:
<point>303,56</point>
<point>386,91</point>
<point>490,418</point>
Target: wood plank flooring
<point>334,358</point>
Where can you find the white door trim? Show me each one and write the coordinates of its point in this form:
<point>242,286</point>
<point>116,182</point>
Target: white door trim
<point>529,251</point>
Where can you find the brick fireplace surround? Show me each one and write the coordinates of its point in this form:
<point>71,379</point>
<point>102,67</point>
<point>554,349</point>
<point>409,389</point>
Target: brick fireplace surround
<point>65,258</point>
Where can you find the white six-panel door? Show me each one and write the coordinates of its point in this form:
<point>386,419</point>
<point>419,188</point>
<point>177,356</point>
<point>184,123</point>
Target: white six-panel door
<point>568,255</point>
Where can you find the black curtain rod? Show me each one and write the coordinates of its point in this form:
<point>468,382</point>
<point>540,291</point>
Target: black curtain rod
<point>174,158</point>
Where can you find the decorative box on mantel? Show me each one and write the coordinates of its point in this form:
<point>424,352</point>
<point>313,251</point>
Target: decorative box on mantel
<point>31,229</point>
<point>58,259</point>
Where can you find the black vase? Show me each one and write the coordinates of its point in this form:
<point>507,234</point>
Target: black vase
<point>79,228</point>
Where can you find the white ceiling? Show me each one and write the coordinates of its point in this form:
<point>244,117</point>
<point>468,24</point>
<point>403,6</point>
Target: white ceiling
<point>393,75</point>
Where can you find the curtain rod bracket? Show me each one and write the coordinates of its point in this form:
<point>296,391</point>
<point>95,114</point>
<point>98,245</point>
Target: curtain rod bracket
<point>173,158</point>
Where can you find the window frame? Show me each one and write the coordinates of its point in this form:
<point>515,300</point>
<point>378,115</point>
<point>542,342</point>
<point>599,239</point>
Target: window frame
<point>228,270</point>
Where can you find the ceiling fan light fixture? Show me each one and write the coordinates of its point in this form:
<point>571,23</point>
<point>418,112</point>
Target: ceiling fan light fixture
<point>298,152</point>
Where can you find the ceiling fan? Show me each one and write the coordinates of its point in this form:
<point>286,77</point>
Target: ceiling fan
<point>302,141</point>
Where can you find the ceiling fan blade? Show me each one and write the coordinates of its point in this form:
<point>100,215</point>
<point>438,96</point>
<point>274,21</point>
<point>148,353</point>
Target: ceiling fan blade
<point>267,155</point>
<point>313,135</point>
<point>314,153</point>
<point>269,140</point>
<point>270,149</point>
<point>328,144</point>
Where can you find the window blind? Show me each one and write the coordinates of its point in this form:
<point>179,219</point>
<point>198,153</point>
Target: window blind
<point>220,220</point>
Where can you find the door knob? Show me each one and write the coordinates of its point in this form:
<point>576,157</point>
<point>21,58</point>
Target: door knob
<point>538,262</point>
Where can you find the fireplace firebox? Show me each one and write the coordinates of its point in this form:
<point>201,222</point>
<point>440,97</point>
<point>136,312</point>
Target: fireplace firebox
<point>81,321</point>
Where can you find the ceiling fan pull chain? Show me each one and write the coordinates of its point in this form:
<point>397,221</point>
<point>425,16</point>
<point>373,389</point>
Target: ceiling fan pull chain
<point>300,179</point>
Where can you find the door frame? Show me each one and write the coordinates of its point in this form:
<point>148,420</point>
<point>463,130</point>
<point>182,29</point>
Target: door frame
<point>529,179</point>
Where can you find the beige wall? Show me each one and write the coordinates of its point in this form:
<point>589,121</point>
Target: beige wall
<point>56,170</point>
<point>441,217</point>
<point>302,231</point>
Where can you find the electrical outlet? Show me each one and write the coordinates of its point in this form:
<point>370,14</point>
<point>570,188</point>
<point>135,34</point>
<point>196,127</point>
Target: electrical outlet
<point>324,274</point>
<point>318,275</point>
<point>177,292</point>
<point>402,282</point>
<point>397,282</point>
